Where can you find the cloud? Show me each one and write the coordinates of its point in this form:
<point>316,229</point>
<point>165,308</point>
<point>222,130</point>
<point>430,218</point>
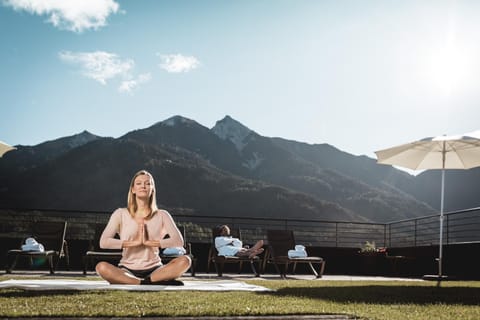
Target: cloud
<point>72,15</point>
<point>103,66</point>
<point>176,63</point>
<point>99,65</point>
<point>129,85</point>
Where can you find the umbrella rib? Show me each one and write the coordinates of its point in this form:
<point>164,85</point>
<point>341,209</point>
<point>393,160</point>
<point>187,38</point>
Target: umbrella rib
<point>455,151</point>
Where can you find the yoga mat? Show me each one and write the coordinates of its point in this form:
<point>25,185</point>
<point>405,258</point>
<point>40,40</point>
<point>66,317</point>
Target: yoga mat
<point>194,285</point>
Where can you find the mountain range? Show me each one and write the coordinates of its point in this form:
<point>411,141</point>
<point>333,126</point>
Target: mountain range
<point>227,170</point>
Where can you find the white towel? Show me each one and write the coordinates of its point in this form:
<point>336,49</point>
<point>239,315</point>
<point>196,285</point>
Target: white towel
<point>32,245</point>
<point>299,252</point>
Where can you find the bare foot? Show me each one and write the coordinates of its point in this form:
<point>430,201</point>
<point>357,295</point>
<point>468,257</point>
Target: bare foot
<point>258,245</point>
<point>255,253</point>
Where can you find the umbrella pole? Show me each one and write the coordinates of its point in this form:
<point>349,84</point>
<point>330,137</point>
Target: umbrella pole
<point>440,243</point>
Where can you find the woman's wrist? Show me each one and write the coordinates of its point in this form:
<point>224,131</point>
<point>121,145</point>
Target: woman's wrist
<point>153,243</point>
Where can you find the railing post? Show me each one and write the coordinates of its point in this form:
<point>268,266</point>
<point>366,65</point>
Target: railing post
<point>336,234</point>
<point>390,235</point>
<point>415,233</point>
<point>385,235</point>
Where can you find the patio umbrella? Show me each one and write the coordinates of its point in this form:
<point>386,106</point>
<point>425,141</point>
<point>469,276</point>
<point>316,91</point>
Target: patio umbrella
<point>5,148</point>
<point>442,152</point>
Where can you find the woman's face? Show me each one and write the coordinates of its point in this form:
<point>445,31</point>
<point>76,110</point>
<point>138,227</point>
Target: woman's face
<point>142,186</point>
<point>225,231</point>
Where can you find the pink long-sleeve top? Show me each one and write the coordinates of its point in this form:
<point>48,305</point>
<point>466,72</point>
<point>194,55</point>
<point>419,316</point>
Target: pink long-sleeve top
<point>140,257</point>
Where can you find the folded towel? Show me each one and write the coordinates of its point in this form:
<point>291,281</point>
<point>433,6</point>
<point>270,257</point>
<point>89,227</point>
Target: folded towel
<point>32,245</point>
<point>299,252</point>
<point>174,251</point>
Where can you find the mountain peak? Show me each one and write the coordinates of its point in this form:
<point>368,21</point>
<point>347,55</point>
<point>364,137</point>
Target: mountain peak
<point>176,120</point>
<point>232,130</point>
<point>80,139</point>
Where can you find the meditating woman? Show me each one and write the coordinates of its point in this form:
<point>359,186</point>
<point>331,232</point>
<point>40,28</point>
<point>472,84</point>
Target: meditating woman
<point>227,245</point>
<point>142,228</point>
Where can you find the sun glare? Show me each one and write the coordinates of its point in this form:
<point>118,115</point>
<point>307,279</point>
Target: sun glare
<point>449,62</point>
<point>448,69</point>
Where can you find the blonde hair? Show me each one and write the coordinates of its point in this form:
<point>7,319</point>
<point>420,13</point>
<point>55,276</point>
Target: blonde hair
<point>132,200</point>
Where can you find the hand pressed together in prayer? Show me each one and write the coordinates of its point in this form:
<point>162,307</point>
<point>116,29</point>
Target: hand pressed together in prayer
<point>141,238</point>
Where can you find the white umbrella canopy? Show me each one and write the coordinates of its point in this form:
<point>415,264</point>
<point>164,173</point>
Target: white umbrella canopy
<point>442,152</point>
<point>5,148</point>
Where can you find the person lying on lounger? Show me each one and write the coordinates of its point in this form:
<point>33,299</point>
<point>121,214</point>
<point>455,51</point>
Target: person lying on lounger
<point>227,245</point>
<point>142,228</point>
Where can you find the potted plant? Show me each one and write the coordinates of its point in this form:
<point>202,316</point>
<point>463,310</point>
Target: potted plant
<point>369,248</point>
<point>372,258</point>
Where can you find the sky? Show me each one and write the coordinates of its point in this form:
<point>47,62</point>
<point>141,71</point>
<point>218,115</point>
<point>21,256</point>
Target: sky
<point>360,75</point>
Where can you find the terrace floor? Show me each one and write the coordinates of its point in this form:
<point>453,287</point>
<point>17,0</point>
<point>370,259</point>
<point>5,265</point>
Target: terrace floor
<point>212,276</point>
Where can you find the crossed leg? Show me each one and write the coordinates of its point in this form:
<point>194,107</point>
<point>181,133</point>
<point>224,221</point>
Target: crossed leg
<point>115,275</point>
<point>172,270</point>
<point>253,251</point>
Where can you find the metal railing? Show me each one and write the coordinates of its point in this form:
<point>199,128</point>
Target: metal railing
<point>308,232</point>
<point>459,227</point>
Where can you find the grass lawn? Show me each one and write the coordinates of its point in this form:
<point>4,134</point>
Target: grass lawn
<point>390,300</point>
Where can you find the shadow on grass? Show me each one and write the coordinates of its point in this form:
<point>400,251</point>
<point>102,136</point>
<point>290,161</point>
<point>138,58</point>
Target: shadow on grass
<point>19,293</point>
<point>381,294</point>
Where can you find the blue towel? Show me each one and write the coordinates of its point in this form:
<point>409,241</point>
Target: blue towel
<point>174,251</point>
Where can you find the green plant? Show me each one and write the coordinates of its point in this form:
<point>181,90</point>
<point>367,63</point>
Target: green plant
<point>369,247</point>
